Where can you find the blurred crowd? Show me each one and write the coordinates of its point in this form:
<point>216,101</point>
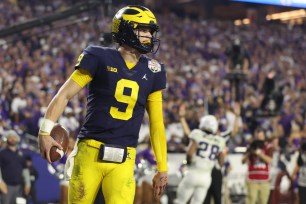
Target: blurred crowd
<point>34,63</point>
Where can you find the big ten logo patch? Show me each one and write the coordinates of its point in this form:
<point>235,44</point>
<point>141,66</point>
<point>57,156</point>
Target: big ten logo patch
<point>111,69</point>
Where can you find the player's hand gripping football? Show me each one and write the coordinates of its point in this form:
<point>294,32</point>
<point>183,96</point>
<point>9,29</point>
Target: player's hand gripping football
<point>160,182</point>
<point>45,143</point>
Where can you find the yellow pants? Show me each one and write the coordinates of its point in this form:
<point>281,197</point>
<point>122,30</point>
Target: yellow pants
<point>258,192</point>
<point>117,180</point>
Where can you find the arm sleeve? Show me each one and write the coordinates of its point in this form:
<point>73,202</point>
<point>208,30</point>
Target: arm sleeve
<point>81,77</point>
<point>157,130</point>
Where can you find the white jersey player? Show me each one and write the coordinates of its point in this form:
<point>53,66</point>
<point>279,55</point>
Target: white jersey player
<point>205,148</point>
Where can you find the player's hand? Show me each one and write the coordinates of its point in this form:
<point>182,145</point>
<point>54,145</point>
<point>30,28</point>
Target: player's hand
<point>160,182</point>
<point>45,143</point>
<point>3,187</point>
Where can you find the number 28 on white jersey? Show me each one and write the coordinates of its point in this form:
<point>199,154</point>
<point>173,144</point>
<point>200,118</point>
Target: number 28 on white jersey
<point>208,148</point>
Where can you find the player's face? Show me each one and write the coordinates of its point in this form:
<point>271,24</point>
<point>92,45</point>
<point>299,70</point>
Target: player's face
<point>144,35</point>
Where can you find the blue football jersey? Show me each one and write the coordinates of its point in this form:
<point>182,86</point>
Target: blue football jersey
<point>117,96</point>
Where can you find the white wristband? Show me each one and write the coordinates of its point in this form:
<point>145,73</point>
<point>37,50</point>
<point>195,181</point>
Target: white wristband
<point>47,125</point>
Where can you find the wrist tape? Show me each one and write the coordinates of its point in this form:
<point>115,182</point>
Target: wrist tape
<point>46,125</point>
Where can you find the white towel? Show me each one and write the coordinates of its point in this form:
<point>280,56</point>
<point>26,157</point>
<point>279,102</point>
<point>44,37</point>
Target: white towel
<point>70,162</point>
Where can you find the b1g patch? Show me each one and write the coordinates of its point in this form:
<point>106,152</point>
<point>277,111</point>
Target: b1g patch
<point>154,66</point>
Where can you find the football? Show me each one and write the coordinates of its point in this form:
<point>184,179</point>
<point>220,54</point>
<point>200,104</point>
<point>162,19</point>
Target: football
<point>61,136</point>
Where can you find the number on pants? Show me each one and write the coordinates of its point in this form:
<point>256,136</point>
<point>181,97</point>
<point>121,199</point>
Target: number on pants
<point>130,100</point>
<point>204,152</point>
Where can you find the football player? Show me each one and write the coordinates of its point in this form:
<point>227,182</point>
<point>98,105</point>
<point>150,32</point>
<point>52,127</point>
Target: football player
<point>205,147</point>
<point>122,84</point>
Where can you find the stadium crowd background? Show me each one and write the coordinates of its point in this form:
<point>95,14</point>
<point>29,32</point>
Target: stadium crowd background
<point>34,63</point>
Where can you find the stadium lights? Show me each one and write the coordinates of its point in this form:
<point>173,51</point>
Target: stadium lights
<point>244,21</point>
<point>237,22</point>
<point>289,15</point>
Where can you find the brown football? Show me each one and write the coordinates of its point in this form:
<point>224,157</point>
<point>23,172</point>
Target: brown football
<point>61,136</point>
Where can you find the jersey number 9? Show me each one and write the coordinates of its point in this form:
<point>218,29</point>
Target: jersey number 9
<point>130,100</point>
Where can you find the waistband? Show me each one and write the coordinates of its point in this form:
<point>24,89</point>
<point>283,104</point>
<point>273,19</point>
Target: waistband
<point>97,144</point>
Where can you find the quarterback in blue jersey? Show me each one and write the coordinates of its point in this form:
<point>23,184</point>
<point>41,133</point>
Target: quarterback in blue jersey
<point>123,83</point>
